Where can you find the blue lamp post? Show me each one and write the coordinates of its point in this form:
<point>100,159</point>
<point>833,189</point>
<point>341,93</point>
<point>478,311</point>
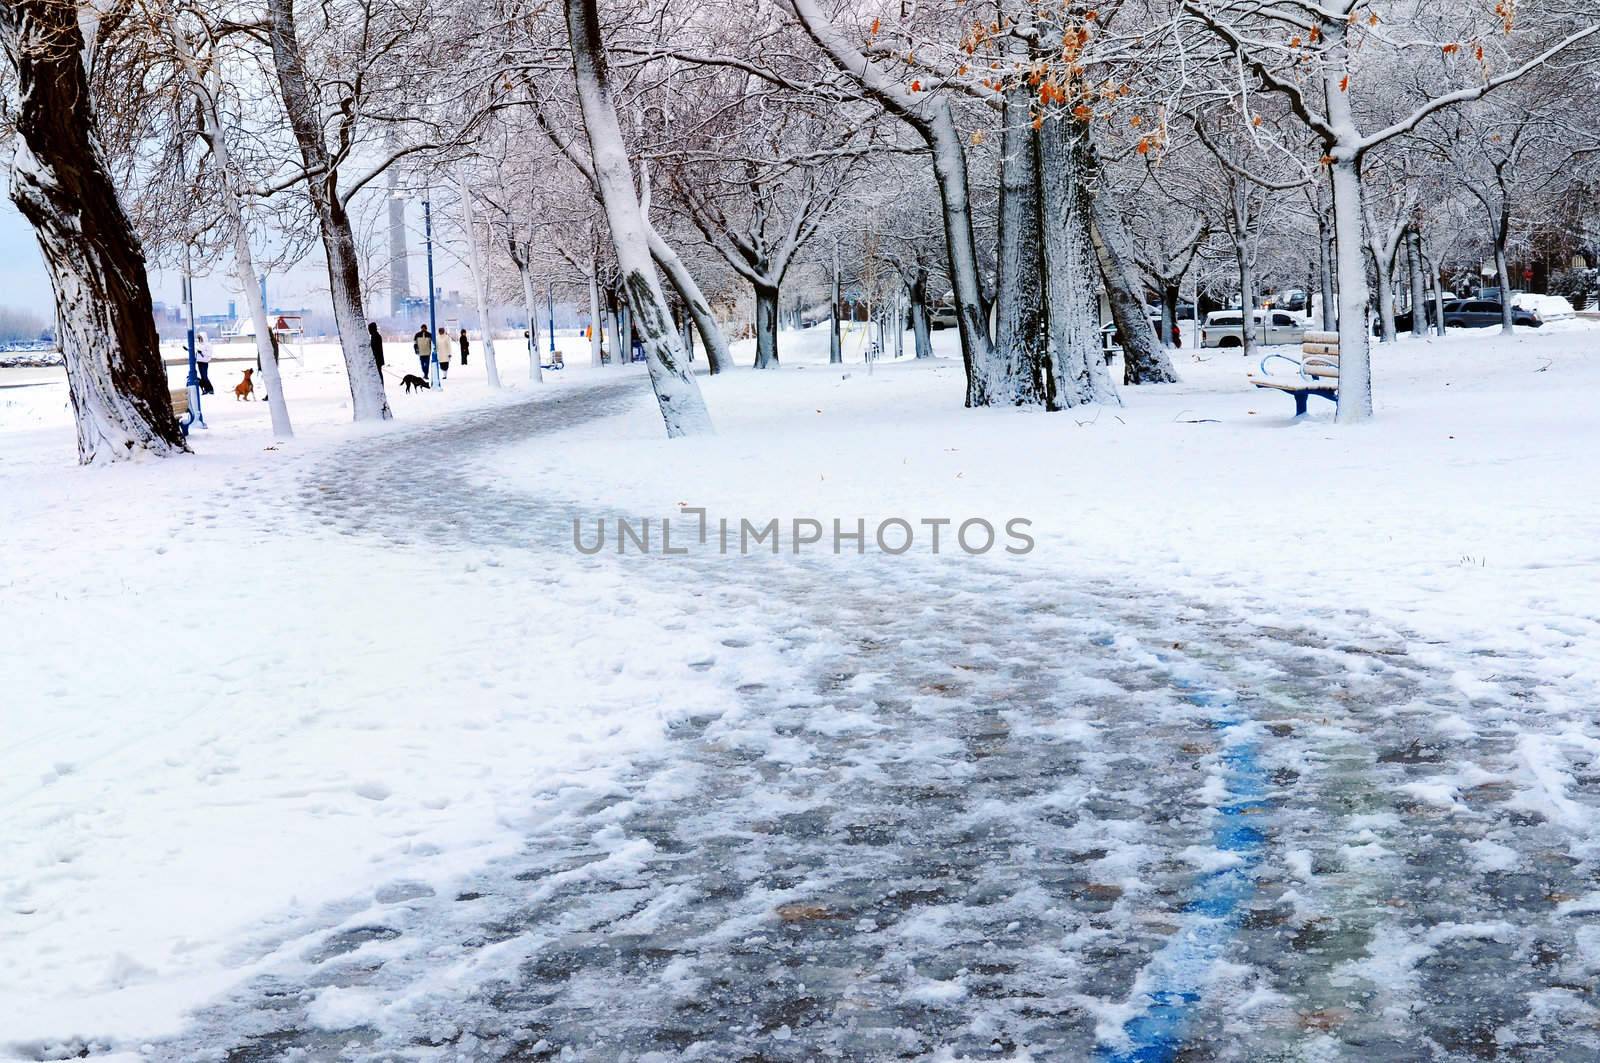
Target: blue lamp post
<point>433,321</point>
<point>550,310</point>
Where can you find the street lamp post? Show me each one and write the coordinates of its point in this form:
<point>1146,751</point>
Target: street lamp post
<point>550,313</point>
<point>436,379</point>
<point>193,380</point>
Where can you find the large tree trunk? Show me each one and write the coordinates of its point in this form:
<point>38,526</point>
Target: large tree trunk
<point>766,327</point>
<point>694,301</point>
<point>922,337</point>
<point>1170,297</point>
<point>1383,270</point>
<point>367,398</point>
<point>104,321</point>
<point>1144,361</point>
<point>682,409</point>
<point>1247,303</point>
<point>1021,343</point>
<point>480,287</point>
<point>530,303</point>
<point>1419,292</point>
<point>1355,352</point>
<point>1077,370</point>
<point>987,383</point>
<point>1502,270</point>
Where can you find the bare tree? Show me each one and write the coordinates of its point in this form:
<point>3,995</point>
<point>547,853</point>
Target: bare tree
<point>59,182</point>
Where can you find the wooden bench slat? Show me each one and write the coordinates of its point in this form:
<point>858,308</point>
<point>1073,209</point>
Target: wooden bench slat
<point>1297,385</point>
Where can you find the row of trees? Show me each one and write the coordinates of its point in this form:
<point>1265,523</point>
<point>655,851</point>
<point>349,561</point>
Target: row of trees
<point>660,157</point>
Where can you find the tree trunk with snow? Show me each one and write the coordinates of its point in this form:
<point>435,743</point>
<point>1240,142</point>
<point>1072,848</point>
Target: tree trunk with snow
<point>1144,361</point>
<point>694,301</point>
<point>597,326</point>
<point>105,324</point>
<point>683,411</point>
<point>1355,354</point>
<point>1502,272</point>
<point>367,398</point>
<point>766,327</point>
<point>1383,271</point>
<point>529,301</point>
<point>922,337</point>
<point>1021,340</point>
<point>1419,292</point>
<point>480,287</point>
<point>1076,368</point>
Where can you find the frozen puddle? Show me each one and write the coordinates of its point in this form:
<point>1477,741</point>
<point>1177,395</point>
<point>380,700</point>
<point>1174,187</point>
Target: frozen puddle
<point>969,811</point>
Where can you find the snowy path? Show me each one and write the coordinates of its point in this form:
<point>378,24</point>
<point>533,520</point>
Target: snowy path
<point>972,810</point>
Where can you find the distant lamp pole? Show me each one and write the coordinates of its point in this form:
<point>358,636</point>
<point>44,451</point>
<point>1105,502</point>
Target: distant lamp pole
<point>550,312</point>
<point>193,380</point>
<point>437,380</point>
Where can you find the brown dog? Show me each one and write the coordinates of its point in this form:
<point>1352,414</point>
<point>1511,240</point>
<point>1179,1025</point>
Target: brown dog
<point>246,388</point>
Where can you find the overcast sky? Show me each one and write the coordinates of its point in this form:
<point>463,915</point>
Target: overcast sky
<point>24,285</point>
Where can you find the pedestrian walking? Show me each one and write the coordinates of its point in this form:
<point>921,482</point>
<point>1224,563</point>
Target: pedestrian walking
<point>376,339</point>
<point>422,344</point>
<point>464,347</point>
<point>445,352</point>
<point>202,361</point>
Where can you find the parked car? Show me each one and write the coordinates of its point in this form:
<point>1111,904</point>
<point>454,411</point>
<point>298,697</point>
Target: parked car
<point>943,316</point>
<point>1291,299</point>
<point>1223,328</point>
<point>1482,313</point>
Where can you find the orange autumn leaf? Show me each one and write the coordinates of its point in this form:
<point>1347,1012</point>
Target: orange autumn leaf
<point>875,24</point>
<point>1135,121</point>
<point>916,86</point>
<point>1143,147</point>
<point>1344,83</point>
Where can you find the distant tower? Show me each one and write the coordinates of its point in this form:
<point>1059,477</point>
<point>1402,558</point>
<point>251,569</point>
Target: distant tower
<point>399,267</point>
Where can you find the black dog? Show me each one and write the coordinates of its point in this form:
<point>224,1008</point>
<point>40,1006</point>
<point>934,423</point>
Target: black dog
<point>411,381</point>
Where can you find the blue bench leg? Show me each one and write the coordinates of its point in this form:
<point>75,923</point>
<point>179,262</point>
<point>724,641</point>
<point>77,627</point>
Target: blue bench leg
<point>1300,399</point>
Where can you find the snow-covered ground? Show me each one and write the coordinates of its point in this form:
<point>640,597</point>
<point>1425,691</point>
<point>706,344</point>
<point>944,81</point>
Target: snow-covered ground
<point>237,717</point>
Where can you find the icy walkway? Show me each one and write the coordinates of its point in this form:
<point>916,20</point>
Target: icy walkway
<point>976,811</point>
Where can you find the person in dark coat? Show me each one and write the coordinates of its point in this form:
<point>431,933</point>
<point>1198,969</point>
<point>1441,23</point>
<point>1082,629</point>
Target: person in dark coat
<point>464,347</point>
<point>377,343</point>
<point>422,343</point>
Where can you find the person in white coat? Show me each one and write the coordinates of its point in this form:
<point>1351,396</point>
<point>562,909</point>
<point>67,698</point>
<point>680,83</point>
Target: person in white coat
<point>446,351</point>
<point>202,361</point>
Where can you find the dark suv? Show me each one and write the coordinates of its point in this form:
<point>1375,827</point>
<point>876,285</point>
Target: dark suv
<point>1482,313</point>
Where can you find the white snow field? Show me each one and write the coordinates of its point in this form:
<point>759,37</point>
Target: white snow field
<point>1279,744</point>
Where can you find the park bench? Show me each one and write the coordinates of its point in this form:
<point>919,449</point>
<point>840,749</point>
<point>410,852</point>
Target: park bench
<point>180,409</point>
<point>555,362</point>
<point>1317,371</point>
